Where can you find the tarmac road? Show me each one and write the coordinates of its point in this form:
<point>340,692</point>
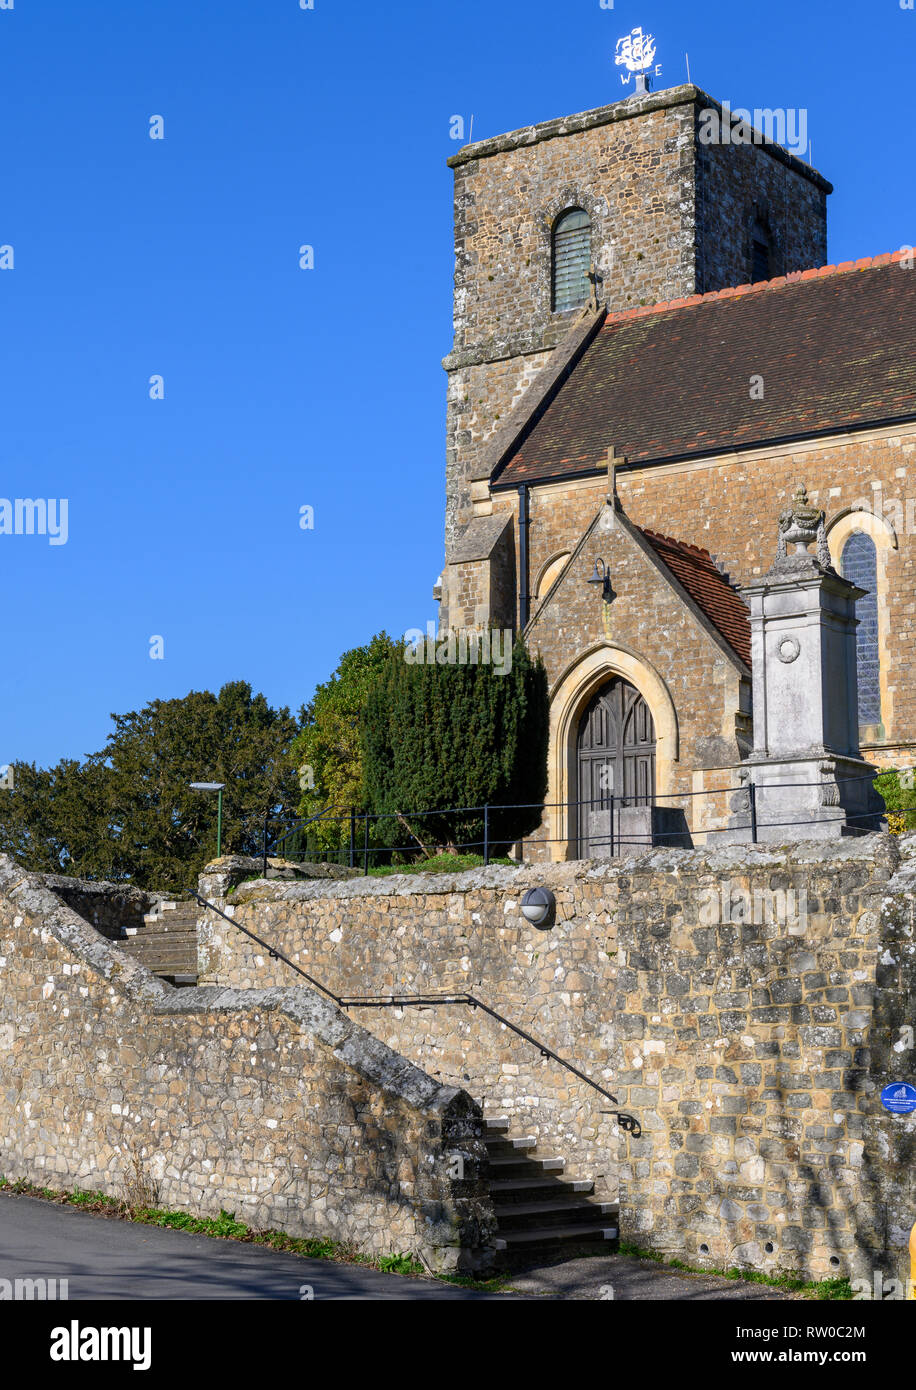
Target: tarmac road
<point>103,1258</point>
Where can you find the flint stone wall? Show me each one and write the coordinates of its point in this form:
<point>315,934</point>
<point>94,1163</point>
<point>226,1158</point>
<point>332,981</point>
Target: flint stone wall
<point>746,1004</point>
<point>754,1052</point>
<point>109,907</point>
<point>443,933</point>
<point>270,1103</point>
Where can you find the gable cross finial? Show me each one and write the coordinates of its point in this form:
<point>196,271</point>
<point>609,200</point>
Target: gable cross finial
<point>613,458</point>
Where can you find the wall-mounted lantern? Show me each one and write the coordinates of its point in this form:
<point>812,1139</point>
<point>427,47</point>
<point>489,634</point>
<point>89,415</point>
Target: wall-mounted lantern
<point>602,576</point>
<point>538,905</point>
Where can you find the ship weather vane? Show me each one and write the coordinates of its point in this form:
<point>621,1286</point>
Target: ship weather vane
<point>636,52</point>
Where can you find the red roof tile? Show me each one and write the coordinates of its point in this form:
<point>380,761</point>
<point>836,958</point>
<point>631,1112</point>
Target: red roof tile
<point>696,571</point>
<point>836,348</point>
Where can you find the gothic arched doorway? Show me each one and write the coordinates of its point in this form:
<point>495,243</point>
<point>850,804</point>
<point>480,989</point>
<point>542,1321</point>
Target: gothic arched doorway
<point>616,761</point>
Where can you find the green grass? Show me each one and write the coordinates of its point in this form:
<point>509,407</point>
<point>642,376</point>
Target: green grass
<point>823,1289</point>
<point>438,864</point>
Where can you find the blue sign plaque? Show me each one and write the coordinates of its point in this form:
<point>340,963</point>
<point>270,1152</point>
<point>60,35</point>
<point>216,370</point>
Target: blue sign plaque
<point>899,1098</point>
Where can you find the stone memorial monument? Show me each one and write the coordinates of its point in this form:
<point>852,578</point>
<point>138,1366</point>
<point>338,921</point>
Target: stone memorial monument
<point>808,777</point>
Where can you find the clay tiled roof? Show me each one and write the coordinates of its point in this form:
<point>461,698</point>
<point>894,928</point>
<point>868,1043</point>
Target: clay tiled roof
<point>696,572</point>
<point>836,348</point>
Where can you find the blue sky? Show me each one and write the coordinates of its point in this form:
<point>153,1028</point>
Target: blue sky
<point>287,388</point>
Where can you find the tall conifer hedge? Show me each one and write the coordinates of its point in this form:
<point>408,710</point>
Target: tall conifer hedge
<point>440,736</point>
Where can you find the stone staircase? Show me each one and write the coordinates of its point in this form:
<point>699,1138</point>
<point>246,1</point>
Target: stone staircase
<point>167,942</point>
<point>542,1215</point>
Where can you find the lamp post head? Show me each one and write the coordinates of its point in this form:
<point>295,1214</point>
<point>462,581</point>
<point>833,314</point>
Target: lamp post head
<point>206,786</point>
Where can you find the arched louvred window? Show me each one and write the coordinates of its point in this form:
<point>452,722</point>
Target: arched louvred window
<point>572,254</point>
<point>761,268</point>
<point>859,563</point>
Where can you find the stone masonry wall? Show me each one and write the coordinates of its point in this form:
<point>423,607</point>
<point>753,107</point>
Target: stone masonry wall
<point>746,1005</point>
<point>736,184</point>
<point>889,1150</point>
<point>635,179</point>
<point>646,616</point>
<point>109,907</point>
<point>269,1103</point>
<point>445,934</point>
<point>752,1037</point>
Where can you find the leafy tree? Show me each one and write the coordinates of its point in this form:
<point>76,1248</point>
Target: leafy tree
<point>328,751</point>
<point>899,792</point>
<point>127,812</point>
<point>457,736</point>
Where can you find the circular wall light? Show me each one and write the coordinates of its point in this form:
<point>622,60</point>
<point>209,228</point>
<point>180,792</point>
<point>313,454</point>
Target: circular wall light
<point>538,906</point>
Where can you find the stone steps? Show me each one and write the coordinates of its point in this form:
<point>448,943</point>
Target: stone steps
<point>167,942</point>
<point>540,1213</point>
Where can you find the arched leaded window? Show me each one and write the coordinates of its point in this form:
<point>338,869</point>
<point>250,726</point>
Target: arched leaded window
<point>572,256</point>
<point>859,563</point>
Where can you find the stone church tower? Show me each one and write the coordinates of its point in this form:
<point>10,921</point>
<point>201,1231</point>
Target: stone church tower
<point>629,190</point>
<point>651,355</point>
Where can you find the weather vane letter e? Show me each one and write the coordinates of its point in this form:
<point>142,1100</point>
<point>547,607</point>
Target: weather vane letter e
<point>636,53</point>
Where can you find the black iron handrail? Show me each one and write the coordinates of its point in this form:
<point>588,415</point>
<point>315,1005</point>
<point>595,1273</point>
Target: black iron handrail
<point>271,950</point>
<point>626,1122</point>
<point>299,825</point>
<point>607,802</point>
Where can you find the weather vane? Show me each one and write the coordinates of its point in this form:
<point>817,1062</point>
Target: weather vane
<point>636,52</point>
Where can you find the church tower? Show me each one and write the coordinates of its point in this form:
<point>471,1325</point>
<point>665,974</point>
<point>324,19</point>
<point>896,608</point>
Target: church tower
<point>627,205</point>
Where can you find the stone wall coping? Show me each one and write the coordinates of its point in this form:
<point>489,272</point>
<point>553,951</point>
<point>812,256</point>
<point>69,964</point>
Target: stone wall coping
<point>31,893</point>
<point>105,887</point>
<point>349,1042</point>
<point>479,538</point>
<point>877,850</point>
<point>630,107</point>
<point>235,865</point>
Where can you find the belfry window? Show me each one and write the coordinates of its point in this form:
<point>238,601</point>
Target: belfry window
<point>859,563</point>
<point>760,253</point>
<point>572,252</point>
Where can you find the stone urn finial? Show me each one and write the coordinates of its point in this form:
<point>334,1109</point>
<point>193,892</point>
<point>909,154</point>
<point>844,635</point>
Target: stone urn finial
<point>800,525</point>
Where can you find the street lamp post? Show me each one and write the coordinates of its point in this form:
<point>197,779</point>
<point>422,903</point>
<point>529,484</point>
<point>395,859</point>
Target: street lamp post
<point>214,787</point>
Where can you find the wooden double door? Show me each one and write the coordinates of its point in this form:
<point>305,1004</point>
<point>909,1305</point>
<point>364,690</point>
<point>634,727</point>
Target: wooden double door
<point>616,761</point>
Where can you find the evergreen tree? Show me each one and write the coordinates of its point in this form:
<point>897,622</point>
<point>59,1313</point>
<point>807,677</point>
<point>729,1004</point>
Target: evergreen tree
<point>451,735</point>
